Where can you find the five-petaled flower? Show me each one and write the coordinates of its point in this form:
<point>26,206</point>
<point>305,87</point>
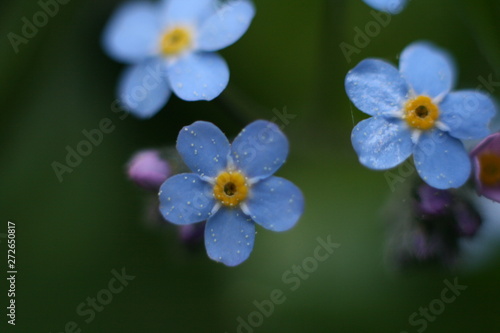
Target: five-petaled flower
<point>486,161</point>
<point>232,187</point>
<point>170,46</point>
<point>389,6</point>
<point>414,112</point>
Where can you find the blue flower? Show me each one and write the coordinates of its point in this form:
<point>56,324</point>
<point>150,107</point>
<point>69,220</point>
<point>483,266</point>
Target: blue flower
<point>414,112</point>
<point>232,187</point>
<point>169,46</point>
<point>389,6</point>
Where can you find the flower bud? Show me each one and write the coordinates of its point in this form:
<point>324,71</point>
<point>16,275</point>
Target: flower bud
<point>433,201</point>
<point>192,234</point>
<point>148,170</point>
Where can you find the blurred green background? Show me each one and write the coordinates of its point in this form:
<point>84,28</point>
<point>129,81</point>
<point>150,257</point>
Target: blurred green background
<point>71,235</point>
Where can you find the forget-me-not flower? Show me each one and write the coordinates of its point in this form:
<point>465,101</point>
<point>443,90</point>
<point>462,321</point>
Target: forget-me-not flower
<point>232,187</point>
<point>170,47</point>
<point>389,6</point>
<point>414,112</point>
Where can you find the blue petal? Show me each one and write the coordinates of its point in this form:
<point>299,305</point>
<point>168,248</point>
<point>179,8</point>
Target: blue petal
<point>260,149</point>
<point>132,32</point>
<point>187,12</point>
<point>376,87</point>
<point>441,160</point>
<point>429,70</point>
<point>229,236</point>
<point>199,76</point>
<point>143,89</point>
<point>226,26</point>
<point>204,148</point>
<point>186,199</point>
<point>389,6</point>
<point>275,203</point>
<point>381,144</point>
<point>467,114</point>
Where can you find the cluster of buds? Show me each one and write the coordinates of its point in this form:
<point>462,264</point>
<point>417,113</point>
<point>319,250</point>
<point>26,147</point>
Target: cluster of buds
<point>442,217</point>
<point>429,224</point>
<point>149,169</point>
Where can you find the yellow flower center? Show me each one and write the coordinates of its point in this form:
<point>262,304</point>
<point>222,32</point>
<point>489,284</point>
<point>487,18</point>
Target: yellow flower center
<point>230,188</point>
<point>489,169</point>
<point>175,41</point>
<point>421,113</point>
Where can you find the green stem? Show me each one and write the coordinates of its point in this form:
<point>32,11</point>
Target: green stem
<point>331,70</point>
<point>239,106</point>
<point>481,21</point>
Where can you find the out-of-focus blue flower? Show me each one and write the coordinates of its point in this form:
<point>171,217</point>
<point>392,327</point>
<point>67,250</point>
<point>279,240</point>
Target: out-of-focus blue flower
<point>232,187</point>
<point>169,46</point>
<point>389,6</point>
<point>414,112</point>
<point>486,161</point>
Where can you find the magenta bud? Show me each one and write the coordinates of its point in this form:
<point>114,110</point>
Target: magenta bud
<point>433,201</point>
<point>192,234</point>
<point>422,249</point>
<point>467,218</point>
<point>148,170</point>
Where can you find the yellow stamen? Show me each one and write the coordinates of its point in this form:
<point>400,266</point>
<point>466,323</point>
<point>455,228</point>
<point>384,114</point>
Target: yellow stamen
<point>421,113</point>
<point>230,188</point>
<point>175,41</point>
<point>489,169</point>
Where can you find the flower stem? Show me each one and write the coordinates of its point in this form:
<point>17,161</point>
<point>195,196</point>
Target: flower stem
<point>481,21</point>
<point>238,106</point>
